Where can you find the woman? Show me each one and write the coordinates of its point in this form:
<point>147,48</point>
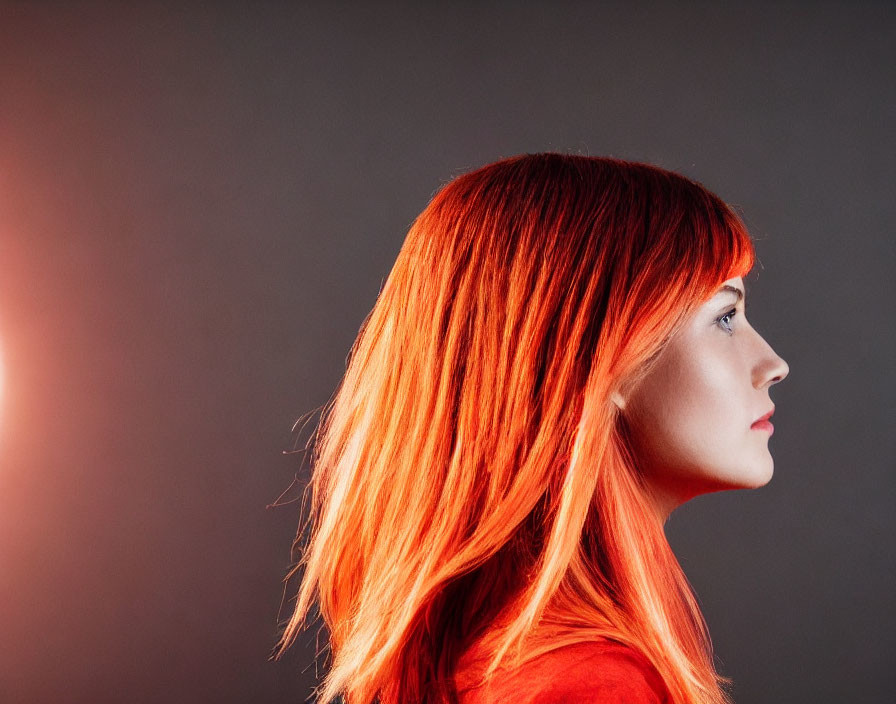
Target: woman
<point>557,360</point>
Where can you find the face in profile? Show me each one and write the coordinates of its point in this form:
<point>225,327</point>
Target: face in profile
<point>693,417</point>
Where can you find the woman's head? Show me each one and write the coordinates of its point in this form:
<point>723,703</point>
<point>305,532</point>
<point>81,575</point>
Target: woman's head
<point>478,458</point>
<point>601,275</point>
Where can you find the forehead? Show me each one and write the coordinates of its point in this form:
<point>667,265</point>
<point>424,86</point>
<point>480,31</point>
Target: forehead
<point>736,281</point>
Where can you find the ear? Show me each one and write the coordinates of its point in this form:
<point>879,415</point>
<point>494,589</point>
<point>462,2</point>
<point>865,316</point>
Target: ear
<point>618,399</point>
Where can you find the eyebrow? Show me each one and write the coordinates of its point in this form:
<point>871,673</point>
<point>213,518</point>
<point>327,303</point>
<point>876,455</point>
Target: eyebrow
<point>726,287</point>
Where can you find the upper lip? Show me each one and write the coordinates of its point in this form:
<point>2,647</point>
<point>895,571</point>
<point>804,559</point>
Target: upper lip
<point>765,417</point>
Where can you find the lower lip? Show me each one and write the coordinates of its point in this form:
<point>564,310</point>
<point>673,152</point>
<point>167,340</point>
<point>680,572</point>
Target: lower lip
<point>764,425</point>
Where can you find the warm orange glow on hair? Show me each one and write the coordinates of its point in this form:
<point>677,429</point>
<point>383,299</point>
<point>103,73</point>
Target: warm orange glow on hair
<point>471,481</point>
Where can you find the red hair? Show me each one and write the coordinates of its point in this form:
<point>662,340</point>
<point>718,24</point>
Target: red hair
<point>472,482</point>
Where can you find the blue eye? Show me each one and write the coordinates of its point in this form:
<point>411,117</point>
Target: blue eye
<point>726,326</point>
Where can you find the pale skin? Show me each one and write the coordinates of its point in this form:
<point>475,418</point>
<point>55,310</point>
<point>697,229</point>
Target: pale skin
<point>691,416</point>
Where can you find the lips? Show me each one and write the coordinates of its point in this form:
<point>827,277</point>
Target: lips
<point>765,417</point>
<point>763,423</point>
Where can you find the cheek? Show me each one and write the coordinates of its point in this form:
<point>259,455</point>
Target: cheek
<point>687,410</point>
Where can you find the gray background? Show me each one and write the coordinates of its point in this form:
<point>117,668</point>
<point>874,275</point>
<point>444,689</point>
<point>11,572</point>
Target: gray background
<point>198,207</point>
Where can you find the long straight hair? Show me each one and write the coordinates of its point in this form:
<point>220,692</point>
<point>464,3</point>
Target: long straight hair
<point>472,480</point>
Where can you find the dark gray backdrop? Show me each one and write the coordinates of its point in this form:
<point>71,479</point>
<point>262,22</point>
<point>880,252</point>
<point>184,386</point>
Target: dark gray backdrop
<point>198,207</point>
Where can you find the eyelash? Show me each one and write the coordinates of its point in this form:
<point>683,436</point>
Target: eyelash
<point>730,314</point>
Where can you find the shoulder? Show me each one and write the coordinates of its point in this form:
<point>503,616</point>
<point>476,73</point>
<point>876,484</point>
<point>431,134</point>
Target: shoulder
<point>605,672</point>
<point>592,672</point>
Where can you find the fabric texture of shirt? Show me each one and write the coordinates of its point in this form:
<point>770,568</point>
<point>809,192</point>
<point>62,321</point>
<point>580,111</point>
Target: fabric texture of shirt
<point>594,672</point>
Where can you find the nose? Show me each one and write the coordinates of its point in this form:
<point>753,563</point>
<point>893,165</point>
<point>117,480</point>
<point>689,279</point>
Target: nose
<point>770,368</point>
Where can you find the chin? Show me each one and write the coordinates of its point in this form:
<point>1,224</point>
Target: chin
<point>760,476</point>
<point>754,475</point>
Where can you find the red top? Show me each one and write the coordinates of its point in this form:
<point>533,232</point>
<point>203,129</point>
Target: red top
<point>596,672</point>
